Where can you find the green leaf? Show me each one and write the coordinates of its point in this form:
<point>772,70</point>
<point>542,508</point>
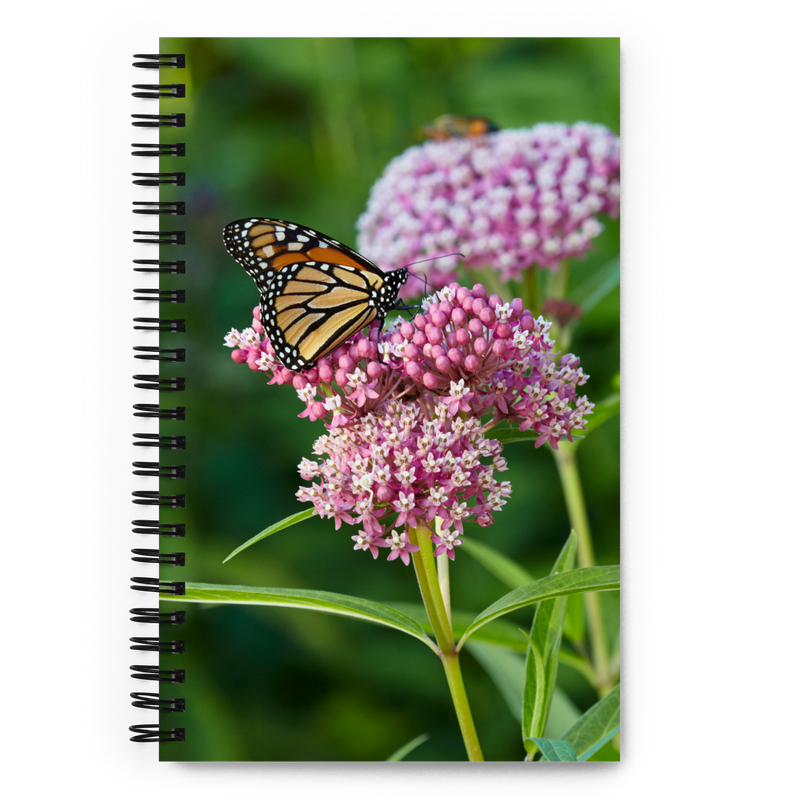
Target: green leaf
<point>501,566</point>
<point>573,619</point>
<point>339,604</point>
<point>596,287</point>
<point>587,579</point>
<point>278,526</point>
<point>563,715</point>
<point>599,724</point>
<point>506,668</point>
<point>555,749</point>
<point>400,754</point>
<point>545,643</point>
<point>510,435</point>
<point>549,616</point>
<point>599,743</point>
<point>533,696</point>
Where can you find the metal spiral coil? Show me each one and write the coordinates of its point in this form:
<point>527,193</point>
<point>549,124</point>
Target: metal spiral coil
<point>162,267</point>
<point>156,440</point>
<point>176,296</point>
<point>156,90</point>
<point>153,526</point>
<point>176,209</point>
<point>154,616</point>
<point>160,500</point>
<point>160,354</point>
<point>144,672</point>
<point>156,383</point>
<point>156,470</point>
<point>177,588</point>
<point>150,150</point>
<point>152,701</point>
<point>161,325</point>
<point>159,178</point>
<point>160,237</point>
<point>159,120</point>
<point>147,556</point>
<point>158,60</point>
<point>153,644</point>
<point>154,411</point>
<point>152,733</point>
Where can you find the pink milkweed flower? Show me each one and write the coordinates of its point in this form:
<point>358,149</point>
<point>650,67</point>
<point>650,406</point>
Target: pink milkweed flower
<point>367,540</point>
<point>507,200</point>
<point>401,547</point>
<point>446,544</point>
<point>406,505</point>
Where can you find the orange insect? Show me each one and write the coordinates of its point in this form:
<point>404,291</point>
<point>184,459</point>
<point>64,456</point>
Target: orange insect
<point>452,126</point>
<point>315,292</point>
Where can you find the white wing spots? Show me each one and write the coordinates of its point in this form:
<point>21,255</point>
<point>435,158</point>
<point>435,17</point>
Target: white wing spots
<point>291,226</point>
<point>247,224</point>
<point>280,235</point>
<point>243,233</point>
<point>268,251</point>
<point>323,267</point>
<point>295,246</point>
<point>324,244</point>
<point>303,239</point>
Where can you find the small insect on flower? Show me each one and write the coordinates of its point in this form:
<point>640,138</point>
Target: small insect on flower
<point>315,292</point>
<point>452,126</point>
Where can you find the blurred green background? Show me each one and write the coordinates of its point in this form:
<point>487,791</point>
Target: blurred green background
<point>300,129</point>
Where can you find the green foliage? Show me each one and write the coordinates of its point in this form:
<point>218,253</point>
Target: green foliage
<point>554,749</point>
<point>502,567</point>
<point>402,752</point>
<point>278,526</point>
<point>589,579</point>
<point>328,602</point>
<point>596,727</point>
<point>541,668</point>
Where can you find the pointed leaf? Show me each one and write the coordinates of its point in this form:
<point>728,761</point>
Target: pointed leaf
<point>329,602</point>
<point>400,754</point>
<point>562,716</point>
<point>587,579</point>
<point>278,526</point>
<point>596,287</point>
<point>548,621</point>
<point>596,726</point>
<point>501,566</point>
<point>573,619</point>
<point>599,743</point>
<point>511,435</point>
<point>533,697</point>
<point>556,749</point>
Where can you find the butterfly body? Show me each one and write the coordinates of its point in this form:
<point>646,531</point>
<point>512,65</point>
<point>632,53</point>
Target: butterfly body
<point>315,292</point>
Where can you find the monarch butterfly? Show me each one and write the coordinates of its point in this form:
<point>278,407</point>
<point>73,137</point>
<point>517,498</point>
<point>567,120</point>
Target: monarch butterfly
<point>450,126</point>
<point>315,292</point>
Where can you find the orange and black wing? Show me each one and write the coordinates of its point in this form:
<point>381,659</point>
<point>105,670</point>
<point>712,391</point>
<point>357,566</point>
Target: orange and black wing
<point>264,247</point>
<point>315,292</point>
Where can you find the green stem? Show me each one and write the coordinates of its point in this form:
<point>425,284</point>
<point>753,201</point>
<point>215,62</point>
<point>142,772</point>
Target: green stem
<point>443,571</point>
<point>576,508</point>
<point>557,281</point>
<point>557,289</point>
<point>425,567</point>
<point>531,289</point>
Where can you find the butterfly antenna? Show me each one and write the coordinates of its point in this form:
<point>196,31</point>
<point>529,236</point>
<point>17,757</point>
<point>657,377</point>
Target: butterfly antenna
<point>425,261</point>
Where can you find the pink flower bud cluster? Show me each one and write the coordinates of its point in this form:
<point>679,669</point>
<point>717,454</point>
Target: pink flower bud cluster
<point>507,200</point>
<point>477,353</point>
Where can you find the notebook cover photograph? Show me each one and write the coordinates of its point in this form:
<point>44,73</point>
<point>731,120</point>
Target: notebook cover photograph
<point>383,308</point>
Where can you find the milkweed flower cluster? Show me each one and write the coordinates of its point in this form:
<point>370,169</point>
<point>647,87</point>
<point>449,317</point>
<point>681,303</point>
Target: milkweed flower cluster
<point>407,410</point>
<point>507,200</point>
<point>406,463</point>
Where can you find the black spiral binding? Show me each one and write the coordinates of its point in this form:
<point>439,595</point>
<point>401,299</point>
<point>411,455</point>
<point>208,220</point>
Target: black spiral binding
<point>175,355</point>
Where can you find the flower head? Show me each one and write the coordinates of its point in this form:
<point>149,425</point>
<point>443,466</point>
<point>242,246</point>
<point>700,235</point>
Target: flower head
<point>507,200</point>
<point>407,464</point>
<point>407,412</point>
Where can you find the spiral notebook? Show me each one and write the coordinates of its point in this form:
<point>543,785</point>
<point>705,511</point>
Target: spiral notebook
<point>216,447</point>
<point>147,641</point>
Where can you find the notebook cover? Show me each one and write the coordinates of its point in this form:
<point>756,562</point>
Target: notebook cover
<point>300,130</point>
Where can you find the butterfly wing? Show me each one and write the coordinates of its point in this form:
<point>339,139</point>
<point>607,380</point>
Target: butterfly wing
<point>311,307</point>
<point>315,292</point>
<point>264,247</point>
